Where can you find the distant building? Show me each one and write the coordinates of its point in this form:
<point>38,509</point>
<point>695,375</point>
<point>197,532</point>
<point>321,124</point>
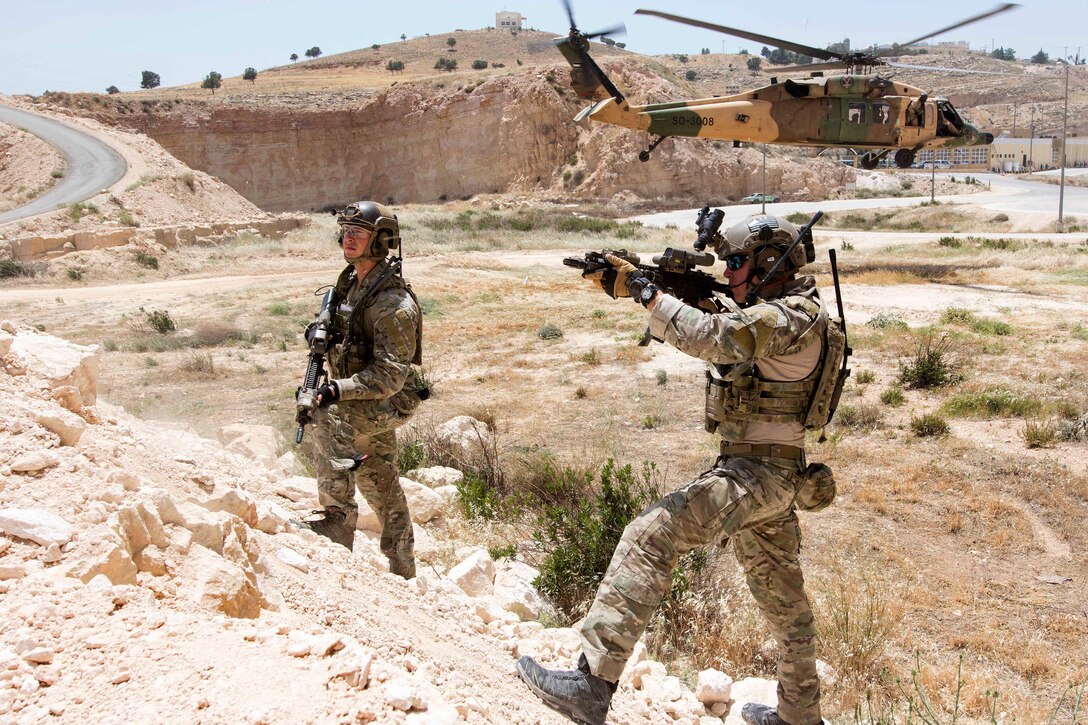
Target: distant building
<point>509,21</point>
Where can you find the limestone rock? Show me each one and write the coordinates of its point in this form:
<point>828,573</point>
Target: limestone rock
<point>423,503</point>
<point>449,494</point>
<point>109,559</point>
<point>465,436</point>
<point>61,362</point>
<point>299,489</point>
<point>271,519</point>
<point>209,528</point>
<point>67,425</point>
<point>40,526</point>
<point>425,544</point>
<point>368,518</point>
<point>515,591</point>
<point>353,666</point>
<point>5,342</point>
<point>751,689</point>
<point>151,560</point>
<point>32,462</point>
<point>293,559</point>
<point>130,526</point>
<point>640,672</point>
<point>236,502</point>
<point>475,575</point>
<point>126,480</point>
<point>403,694</point>
<point>69,398</point>
<point>12,571</point>
<point>224,586</point>
<point>259,442</point>
<point>436,476</point>
<point>714,686</point>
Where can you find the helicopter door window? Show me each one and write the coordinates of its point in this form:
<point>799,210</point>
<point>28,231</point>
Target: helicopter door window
<point>882,113</point>
<point>855,113</point>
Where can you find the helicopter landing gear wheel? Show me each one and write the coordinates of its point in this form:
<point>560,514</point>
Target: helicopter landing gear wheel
<point>644,156</point>
<point>904,158</point>
<point>871,160</point>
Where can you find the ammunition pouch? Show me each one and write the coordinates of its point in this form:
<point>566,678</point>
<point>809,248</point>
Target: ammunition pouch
<point>817,489</point>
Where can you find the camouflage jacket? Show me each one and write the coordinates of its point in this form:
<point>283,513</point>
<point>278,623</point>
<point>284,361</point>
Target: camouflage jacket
<point>778,340</point>
<point>381,342</point>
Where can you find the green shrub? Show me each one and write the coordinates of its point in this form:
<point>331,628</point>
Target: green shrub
<point>992,327</point>
<point>845,246</point>
<point>580,537</point>
<point>662,377</point>
<point>886,321</point>
<point>1074,430</point>
<point>147,260</point>
<point>109,345</point>
<point>931,365</point>
<point>279,309</point>
<point>929,425</point>
<point>580,392</point>
<point>478,499</point>
<point>957,316</point>
<point>126,218</point>
<point>410,456</point>
<point>548,331</point>
<point>590,358</point>
<point>1003,244</point>
<point>188,180</point>
<point>503,552</point>
<point>75,274</point>
<point>951,242</point>
<point>479,65</point>
<point>892,397</point>
<point>10,268</point>
<point>864,377</point>
<point>650,422</point>
<point>199,363</point>
<point>159,321</point>
<point>990,403</point>
<point>78,211</point>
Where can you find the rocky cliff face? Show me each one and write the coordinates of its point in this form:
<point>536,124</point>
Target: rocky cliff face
<point>422,143</point>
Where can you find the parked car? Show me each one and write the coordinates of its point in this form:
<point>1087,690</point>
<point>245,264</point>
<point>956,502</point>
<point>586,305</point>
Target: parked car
<point>761,198</point>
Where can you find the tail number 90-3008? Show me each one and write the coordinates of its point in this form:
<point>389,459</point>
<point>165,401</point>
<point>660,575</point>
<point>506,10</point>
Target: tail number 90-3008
<point>692,120</point>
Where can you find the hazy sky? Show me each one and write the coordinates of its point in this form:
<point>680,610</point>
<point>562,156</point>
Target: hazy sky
<point>87,45</point>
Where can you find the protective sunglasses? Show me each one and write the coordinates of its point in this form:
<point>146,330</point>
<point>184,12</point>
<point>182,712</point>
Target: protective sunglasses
<point>735,261</point>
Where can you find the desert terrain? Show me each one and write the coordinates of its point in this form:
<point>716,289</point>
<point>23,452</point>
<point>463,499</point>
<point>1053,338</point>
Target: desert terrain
<point>147,572</point>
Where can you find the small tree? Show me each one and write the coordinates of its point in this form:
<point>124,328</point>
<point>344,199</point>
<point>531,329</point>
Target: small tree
<point>149,79</point>
<point>249,74</point>
<point>1003,54</point>
<point>113,89</point>
<point>451,42</point>
<point>313,52</point>
<point>621,46</point>
<point>1042,58</point>
<point>213,80</point>
<point>704,51</point>
<point>375,46</point>
<point>690,75</point>
<point>403,37</point>
<point>446,64</point>
<point>479,64</point>
<point>754,62</point>
<point>294,57</point>
<point>394,66</point>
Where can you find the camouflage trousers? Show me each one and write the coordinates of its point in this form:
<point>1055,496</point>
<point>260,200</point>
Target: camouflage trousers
<point>365,427</point>
<point>749,500</point>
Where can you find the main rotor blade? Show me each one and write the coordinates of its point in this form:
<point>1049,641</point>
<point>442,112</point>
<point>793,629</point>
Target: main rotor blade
<point>570,12</point>
<point>832,65</point>
<point>950,70</point>
<point>768,40</point>
<point>968,21</point>
<point>620,29</point>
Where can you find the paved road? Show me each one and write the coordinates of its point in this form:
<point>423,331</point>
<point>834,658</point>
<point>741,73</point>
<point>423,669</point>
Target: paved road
<point>92,165</point>
<point>1007,194</point>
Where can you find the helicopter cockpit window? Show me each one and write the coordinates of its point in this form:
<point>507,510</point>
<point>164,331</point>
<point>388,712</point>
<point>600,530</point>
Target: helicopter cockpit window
<point>855,113</point>
<point>882,113</point>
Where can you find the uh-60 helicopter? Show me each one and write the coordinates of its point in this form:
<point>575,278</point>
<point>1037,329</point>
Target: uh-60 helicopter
<point>856,110</point>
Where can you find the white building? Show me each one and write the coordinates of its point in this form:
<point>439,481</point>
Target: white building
<point>509,21</point>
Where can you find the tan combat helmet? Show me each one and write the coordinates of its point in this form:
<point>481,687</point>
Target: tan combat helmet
<point>376,218</point>
<point>764,238</point>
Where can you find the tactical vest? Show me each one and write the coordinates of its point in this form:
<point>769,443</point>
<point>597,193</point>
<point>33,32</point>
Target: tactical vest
<point>356,348</point>
<point>737,395</point>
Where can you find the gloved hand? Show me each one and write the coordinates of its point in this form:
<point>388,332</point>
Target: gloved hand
<point>327,394</point>
<point>629,280</point>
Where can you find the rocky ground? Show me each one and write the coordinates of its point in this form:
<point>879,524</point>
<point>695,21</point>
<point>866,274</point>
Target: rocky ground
<point>28,166</point>
<point>148,574</point>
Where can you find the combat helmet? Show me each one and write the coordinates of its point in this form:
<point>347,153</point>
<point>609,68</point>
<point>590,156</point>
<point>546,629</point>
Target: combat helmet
<point>379,219</point>
<point>765,238</point>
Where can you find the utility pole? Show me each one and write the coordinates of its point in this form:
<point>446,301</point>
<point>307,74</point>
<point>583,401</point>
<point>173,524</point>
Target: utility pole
<point>1014,107</point>
<point>933,178</point>
<point>1031,143</point>
<point>1061,183</point>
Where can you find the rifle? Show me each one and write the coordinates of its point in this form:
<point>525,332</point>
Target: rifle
<point>319,335</point>
<point>673,271</point>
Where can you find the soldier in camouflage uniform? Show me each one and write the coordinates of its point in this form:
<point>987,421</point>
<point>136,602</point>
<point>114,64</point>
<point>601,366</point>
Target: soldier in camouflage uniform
<point>766,360</point>
<point>373,388</point>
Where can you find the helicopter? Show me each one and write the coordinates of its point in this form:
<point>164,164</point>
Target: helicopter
<point>856,109</point>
